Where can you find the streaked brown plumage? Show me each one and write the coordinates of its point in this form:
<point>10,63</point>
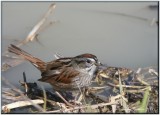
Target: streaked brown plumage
<point>63,73</point>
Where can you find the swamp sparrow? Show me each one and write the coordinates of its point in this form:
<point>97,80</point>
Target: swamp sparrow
<point>64,73</point>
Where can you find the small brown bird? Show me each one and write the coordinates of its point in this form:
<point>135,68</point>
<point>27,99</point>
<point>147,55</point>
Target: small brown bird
<point>64,73</point>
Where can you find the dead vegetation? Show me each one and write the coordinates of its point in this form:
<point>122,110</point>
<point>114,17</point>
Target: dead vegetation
<point>128,96</point>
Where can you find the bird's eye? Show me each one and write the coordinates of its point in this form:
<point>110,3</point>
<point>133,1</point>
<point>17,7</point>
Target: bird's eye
<point>88,61</point>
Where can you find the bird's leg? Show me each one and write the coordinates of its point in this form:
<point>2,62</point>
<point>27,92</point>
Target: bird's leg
<point>81,95</point>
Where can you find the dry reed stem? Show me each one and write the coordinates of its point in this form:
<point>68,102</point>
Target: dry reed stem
<point>33,34</point>
<point>83,107</point>
<point>126,86</point>
<point>64,99</point>
<point>21,104</point>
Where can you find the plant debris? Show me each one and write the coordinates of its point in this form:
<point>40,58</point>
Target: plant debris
<point>131,95</point>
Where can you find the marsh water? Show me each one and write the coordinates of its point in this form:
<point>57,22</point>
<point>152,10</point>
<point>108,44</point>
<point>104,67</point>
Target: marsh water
<point>120,34</point>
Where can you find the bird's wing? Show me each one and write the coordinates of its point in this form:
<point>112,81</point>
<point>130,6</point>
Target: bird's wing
<point>64,75</point>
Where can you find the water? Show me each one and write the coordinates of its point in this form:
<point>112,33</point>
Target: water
<point>119,33</point>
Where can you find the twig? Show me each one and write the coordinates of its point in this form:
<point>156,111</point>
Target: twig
<point>63,99</point>
<point>24,77</point>
<point>126,86</point>
<point>153,71</point>
<point>83,107</point>
<point>36,28</point>
<point>11,98</point>
<point>8,63</point>
<point>96,88</point>
<point>120,84</point>
<point>8,93</point>
<point>25,83</point>
<point>113,99</point>
<point>123,99</point>
<point>138,71</point>
<point>57,55</point>
<point>45,98</point>
<point>21,104</point>
<point>145,101</point>
<point>136,91</point>
<point>141,81</point>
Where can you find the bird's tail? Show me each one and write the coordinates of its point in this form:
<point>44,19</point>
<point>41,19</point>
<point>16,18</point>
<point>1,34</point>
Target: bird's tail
<point>41,65</point>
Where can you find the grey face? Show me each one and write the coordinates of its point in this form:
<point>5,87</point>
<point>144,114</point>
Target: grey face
<point>90,62</point>
<point>85,65</point>
<point>84,62</point>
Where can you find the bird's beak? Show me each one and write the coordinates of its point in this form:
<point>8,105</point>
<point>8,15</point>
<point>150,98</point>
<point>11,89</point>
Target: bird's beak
<point>98,64</point>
